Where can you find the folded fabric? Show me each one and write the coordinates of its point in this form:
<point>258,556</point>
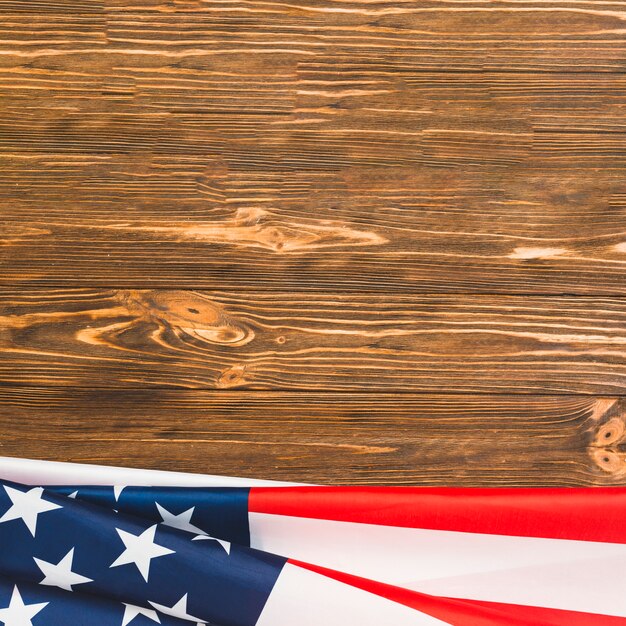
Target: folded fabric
<point>111,555</point>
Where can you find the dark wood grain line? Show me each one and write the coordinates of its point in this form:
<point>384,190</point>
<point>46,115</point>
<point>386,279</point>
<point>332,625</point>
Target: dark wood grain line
<point>302,341</point>
<point>324,437</point>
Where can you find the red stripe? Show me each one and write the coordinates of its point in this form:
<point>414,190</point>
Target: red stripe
<point>586,514</point>
<point>469,612</point>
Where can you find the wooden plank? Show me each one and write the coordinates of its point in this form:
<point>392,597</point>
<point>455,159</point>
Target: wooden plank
<point>528,35</point>
<point>484,344</point>
<point>175,222</point>
<point>326,437</point>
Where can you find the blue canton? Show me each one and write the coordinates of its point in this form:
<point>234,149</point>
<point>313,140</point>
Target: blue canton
<point>129,556</point>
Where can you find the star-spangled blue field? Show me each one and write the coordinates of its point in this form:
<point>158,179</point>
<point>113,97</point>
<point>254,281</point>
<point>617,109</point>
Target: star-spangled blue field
<point>108,556</point>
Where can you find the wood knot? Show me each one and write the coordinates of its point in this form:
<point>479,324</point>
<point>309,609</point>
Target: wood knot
<point>191,314</point>
<point>232,377</point>
<point>609,461</point>
<point>610,433</point>
<point>274,238</point>
<point>609,426</point>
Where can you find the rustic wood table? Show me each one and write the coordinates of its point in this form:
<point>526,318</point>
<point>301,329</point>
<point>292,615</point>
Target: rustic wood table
<point>330,241</point>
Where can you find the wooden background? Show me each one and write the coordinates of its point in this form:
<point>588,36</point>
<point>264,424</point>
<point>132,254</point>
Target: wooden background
<point>332,241</point>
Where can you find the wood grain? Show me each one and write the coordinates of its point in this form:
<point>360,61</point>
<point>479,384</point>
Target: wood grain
<point>375,241</point>
<point>180,223</point>
<point>222,340</point>
<point>326,437</point>
<point>354,146</point>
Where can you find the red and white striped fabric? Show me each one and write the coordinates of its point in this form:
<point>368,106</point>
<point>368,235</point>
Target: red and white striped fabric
<point>418,556</point>
<point>482,556</point>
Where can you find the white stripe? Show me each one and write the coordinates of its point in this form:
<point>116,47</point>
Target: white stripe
<point>304,598</point>
<point>552,573</point>
<point>33,472</point>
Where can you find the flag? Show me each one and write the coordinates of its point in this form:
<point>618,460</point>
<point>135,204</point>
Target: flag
<point>94,546</point>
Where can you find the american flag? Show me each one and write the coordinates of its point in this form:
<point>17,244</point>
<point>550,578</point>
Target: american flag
<point>85,545</point>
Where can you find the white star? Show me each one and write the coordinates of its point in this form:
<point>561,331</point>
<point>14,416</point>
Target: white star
<point>61,574</point>
<point>182,521</point>
<point>140,550</point>
<point>73,495</point>
<point>117,491</point>
<point>18,613</point>
<point>205,537</point>
<point>131,611</point>
<point>27,505</point>
<point>178,610</point>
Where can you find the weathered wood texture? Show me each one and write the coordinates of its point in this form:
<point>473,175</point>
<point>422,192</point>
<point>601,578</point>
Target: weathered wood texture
<point>299,341</point>
<point>249,235</point>
<point>379,146</point>
<point>327,437</point>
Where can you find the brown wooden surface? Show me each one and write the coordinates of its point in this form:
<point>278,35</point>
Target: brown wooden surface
<point>370,242</point>
<point>172,221</point>
<point>261,340</point>
<point>333,437</point>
